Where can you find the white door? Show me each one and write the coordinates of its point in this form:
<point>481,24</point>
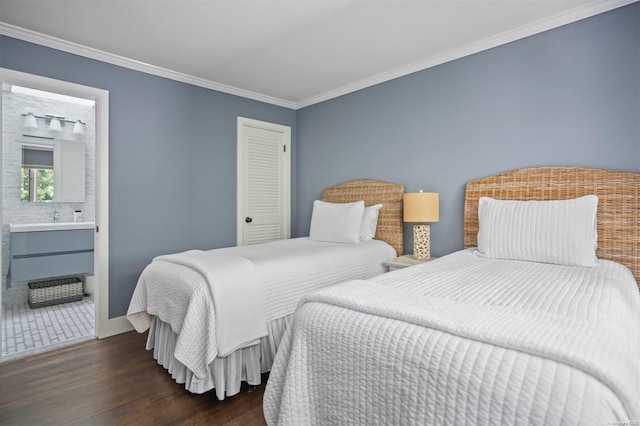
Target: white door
<point>264,181</point>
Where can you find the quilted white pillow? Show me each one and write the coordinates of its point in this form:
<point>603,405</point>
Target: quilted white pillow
<point>336,222</point>
<point>369,222</point>
<point>560,231</point>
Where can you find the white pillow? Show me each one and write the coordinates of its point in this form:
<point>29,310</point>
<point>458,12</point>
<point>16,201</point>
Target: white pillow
<point>560,231</point>
<point>336,222</point>
<point>369,222</point>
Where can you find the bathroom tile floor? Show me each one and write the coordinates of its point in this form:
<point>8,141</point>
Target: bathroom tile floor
<point>27,331</point>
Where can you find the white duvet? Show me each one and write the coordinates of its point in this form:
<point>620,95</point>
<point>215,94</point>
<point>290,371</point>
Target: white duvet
<point>464,340</point>
<point>236,295</point>
<point>286,270</point>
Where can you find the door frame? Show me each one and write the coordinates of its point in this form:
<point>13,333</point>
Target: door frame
<point>244,122</point>
<point>104,326</point>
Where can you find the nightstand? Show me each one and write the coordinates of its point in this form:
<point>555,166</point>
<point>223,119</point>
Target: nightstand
<point>404,261</point>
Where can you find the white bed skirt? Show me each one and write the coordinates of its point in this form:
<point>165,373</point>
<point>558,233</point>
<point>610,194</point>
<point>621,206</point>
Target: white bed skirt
<point>226,374</point>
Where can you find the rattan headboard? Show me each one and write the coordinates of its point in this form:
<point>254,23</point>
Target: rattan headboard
<point>618,204</point>
<point>374,192</point>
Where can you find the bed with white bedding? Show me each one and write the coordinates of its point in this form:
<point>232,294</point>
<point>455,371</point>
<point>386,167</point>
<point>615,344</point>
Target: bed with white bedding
<point>487,335</point>
<point>215,318</point>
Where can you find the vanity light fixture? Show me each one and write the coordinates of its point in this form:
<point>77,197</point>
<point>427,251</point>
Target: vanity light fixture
<point>30,121</point>
<point>55,122</point>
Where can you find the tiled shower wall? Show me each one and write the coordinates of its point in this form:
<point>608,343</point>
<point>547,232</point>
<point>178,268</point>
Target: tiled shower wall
<point>13,209</point>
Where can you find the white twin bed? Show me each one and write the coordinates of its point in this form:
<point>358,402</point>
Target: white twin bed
<point>527,328</point>
<point>216,336</point>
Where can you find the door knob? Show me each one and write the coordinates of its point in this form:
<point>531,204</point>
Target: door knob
<point>248,219</point>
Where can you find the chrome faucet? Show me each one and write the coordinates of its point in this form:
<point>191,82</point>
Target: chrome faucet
<point>55,215</point>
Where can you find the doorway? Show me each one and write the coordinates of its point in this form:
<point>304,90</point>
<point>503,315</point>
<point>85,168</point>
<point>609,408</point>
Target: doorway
<point>264,182</point>
<point>66,102</point>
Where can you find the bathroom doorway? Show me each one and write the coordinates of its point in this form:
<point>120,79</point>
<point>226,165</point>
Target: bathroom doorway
<point>42,116</point>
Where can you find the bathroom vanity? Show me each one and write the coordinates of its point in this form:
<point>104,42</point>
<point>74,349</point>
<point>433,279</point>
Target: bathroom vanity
<point>47,250</point>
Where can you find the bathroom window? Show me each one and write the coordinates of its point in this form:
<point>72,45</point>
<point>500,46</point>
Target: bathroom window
<point>37,173</point>
<point>37,184</point>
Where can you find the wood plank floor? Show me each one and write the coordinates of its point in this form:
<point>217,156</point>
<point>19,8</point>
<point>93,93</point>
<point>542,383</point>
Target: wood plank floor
<point>112,381</point>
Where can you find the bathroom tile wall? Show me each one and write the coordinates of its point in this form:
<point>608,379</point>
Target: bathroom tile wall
<point>13,209</point>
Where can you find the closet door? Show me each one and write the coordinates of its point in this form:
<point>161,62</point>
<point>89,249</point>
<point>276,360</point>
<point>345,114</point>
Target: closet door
<point>264,181</point>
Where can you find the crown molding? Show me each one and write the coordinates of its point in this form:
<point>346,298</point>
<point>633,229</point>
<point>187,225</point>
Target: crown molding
<point>88,52</point>
<point>546,24</point>
<point>472,48</point>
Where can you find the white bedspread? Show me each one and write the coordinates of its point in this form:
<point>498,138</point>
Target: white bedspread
<point>236,294</point>
<point>286,270</point>
<point>464,340</point>
<point>237,319</point>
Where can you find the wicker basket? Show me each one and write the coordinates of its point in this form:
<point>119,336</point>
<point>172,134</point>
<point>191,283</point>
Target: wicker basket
<point>54,292</point>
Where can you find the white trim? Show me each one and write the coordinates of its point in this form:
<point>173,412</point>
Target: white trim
<point>114,326</point>
<point>242,123</point>
<point>1,160</point>
<point>104,325</point>
<point>110,58</point>
<point>472,48</point>
<point>542,25</point>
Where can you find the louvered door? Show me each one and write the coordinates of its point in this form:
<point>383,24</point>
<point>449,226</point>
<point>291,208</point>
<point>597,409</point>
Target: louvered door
<point>263,181</point>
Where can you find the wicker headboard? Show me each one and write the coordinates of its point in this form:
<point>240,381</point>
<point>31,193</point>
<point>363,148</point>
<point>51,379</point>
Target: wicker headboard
<point>374,192</point>
<point>618,204</point>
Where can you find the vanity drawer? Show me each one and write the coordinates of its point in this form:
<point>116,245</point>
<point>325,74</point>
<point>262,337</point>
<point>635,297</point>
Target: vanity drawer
<point>60,265</point>
<point>46,254</point>
<point>44,242</point>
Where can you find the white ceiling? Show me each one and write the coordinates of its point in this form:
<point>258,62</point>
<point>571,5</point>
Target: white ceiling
<point>290,53</point>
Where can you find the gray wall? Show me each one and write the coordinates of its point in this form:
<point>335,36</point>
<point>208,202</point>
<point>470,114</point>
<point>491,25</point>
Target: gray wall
<point>172,171</point>
<point>569,96</point>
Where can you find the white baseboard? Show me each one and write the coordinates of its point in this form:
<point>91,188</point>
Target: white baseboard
<point>114,326</point>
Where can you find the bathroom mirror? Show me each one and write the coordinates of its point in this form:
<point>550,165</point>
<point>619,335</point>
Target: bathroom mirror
<point>52,170</point>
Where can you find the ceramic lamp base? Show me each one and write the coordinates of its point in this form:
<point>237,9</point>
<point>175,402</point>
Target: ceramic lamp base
<point>421,242</point>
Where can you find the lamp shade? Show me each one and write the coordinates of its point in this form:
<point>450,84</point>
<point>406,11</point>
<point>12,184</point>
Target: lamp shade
<point>421,207</point>
<point>78,128</point>
<point>30,121</point>
<point>54,126</point>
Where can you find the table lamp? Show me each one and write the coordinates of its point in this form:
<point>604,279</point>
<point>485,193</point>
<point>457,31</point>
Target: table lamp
<point>421,207</point>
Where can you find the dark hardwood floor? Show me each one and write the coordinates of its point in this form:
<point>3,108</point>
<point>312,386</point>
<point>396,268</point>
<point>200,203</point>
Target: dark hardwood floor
<point>113,381</point>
